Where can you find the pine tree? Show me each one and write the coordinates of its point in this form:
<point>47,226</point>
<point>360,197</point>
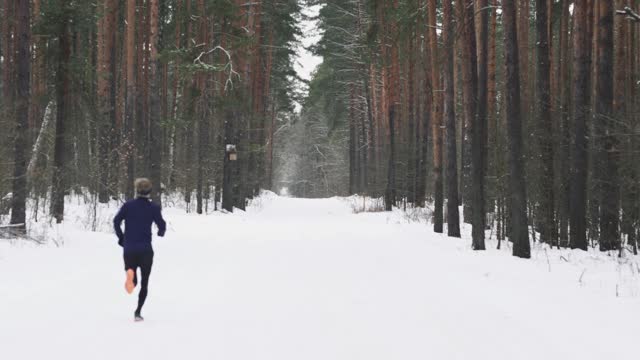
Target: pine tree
<point>437,133</point>
<point>607,151</point>
<point>453,217</point>
<point>581,94</point>
<point>479,130</point>
<point>519,234</point>
<point>155,130</point>
<point>548,231</point>
<point>23,67</point>
<point>63,84</point>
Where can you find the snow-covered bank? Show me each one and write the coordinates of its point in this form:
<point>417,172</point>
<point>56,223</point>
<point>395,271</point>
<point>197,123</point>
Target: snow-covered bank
<point>309,279</point>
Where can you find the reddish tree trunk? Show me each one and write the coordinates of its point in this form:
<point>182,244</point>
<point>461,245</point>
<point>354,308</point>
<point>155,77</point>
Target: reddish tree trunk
<point>130,104</point>
<point>438,212</point>
<point>155,128</point>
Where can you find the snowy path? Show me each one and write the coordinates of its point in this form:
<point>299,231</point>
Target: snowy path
<point>306,279</point>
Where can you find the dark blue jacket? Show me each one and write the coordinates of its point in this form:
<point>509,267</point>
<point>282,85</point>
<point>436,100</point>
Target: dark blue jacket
<point>138,216</point>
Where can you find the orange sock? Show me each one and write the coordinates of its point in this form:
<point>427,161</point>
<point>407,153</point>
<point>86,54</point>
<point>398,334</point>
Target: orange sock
<point>128,285</point>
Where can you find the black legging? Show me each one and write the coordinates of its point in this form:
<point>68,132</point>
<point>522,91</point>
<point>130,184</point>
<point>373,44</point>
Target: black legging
<point>144,261</point>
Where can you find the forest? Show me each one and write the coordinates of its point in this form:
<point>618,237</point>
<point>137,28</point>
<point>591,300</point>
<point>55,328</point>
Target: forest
<point>97,93</point>
<point>517,117</point>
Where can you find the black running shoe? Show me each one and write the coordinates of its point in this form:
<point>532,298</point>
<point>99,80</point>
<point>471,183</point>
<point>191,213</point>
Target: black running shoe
<point>137,317</point>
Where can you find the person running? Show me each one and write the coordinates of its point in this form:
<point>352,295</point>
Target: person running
<point>138,215</point>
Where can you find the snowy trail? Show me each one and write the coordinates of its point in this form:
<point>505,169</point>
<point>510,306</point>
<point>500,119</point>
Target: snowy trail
<point>307,279</point>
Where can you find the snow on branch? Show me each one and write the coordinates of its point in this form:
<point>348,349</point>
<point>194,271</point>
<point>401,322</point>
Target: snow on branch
<point>11,226</point>
<point>629,13</point>
<point>49,114</point>
<point>228,65</point>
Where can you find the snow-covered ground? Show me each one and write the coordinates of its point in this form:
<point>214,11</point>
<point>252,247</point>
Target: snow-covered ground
<point>309,279</point>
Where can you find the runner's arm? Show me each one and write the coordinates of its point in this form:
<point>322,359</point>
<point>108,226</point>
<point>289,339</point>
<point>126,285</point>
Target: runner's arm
<point>117,222</point>
<point>157,218</point>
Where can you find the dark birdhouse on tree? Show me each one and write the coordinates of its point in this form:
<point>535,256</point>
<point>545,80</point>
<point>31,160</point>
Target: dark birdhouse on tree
<point>231,152</point>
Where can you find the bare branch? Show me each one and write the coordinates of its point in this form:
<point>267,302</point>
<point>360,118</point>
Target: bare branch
<point>629,13</point>
<point>228,65</point>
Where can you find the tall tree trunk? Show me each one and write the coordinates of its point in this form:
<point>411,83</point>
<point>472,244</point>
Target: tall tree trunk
<point>140,150</point>
<point>229,187</point>
<point>524,18</point>
<point>352,144</point>
<point>412,129</point>
<point>8,53</point>
<point>106,37</point>
<point>63,83</point>
<point>392,109</point>
<point>438,210</point>
<point>519,234</point>
<point>38,75</point>
<point>469,62</point>
<point>581,94</point>
<point>8,77</point>
<point>607,141</point>
<point>632,211</point>
<point>155,121</point>
<point>565,132</point>
<point>453,216</point>
<point>174,106</point>
<point>117,97</point>
<point>202,111</point>
<point>492,168</point>
<point>130,105</point>
<point>269,111</point>
<point>228,192</point>
<point>492,117</point>
<point>548,230</point>
<point>594,187</point>
<point>479,130</point>
<point>427,114</point>
<point>469,94</point>
<point>23,63</point>
<point>625,105</point>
